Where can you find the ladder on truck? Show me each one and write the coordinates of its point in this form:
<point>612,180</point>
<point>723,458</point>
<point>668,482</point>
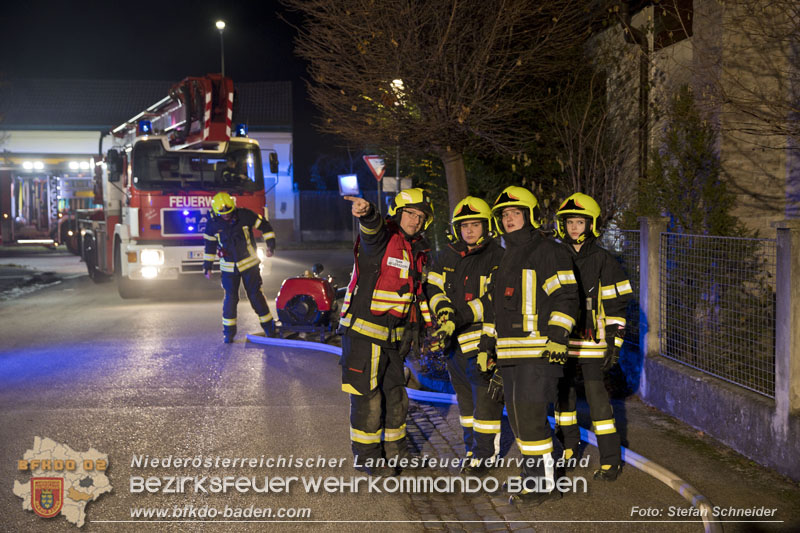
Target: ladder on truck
<point>196,110</point>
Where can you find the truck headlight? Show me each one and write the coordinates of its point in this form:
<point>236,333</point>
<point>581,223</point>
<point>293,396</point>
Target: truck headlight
<point>149,272</point>
<point>152,257</point>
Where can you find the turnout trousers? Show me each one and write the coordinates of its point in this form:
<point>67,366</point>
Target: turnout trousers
<point>251,278</point>
<point>528,390</point>
<point>479,414</point>
<point>608,441</point>
<point>375,379</point>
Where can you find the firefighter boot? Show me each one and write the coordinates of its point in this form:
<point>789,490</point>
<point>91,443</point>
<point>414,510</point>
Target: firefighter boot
<point>269,329</point>
<point>607,472</point>
<point>229,332</point>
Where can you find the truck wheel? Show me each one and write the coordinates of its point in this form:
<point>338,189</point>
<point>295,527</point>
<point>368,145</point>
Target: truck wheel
<point>90,257</point>
<point>125,287</point>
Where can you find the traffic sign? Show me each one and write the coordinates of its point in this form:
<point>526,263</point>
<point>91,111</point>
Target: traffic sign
<point>376,165</point>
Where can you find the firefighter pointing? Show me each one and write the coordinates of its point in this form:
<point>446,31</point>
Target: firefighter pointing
<point>229,235</point>
<point>384,305</point>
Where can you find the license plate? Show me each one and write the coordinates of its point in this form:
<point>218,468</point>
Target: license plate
<point>194,255</point>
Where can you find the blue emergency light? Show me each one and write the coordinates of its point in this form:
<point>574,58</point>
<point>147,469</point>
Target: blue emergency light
<point>144,127</point>
<point>241,130</point>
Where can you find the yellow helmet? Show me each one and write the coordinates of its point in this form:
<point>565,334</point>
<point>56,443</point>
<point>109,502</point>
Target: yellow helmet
<point>471,208</point>
<point>577,205</point>
<point>223,203</point>
<point>515,196</point>
<point>416,198</point>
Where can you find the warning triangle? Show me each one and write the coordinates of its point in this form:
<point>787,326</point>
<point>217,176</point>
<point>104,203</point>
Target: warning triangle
<point>376,165</point>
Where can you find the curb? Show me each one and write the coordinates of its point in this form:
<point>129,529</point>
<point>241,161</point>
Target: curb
<point>651,468</point>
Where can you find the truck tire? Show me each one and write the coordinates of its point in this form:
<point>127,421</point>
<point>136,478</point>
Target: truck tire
<point>125,287</point>
<point>90,257</point>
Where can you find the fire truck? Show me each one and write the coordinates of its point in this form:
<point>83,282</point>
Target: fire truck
<point>156,182</point>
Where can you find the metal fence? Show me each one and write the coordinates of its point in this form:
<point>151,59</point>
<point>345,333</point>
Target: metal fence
<point>718,307</point>
<point>324,216</point>
<point>624,245</point>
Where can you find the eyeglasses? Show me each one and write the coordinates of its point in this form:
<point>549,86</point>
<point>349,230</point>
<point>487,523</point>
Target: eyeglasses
<point>415,217</point>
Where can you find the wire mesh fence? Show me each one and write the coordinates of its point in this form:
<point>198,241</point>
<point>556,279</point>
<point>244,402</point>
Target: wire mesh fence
<point>718,307</point>
<point>624,245</point>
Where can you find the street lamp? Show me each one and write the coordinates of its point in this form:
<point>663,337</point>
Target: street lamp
<point>221,27</point>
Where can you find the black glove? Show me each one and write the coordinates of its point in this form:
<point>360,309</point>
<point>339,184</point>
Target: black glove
<point>496,386</point>
<point>206,267</point>
<point>614,331</point>
<point>556,353</point>
<point>611,356</point>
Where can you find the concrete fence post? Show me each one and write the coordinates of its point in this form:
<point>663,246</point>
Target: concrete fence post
<point>650,230</point>
<point>787,323</point>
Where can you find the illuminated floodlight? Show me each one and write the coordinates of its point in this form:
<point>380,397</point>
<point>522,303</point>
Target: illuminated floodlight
<point>73,165</point>
<point>348,185</point>
<point>27,165</point>
<point>85,165</point>
<point>38,165</point>
<point>220,24</point>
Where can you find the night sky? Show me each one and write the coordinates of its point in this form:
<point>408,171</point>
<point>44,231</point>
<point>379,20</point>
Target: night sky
<point>165,40</point>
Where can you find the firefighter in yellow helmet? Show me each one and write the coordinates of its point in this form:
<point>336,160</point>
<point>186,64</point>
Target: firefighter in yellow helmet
<point>229,235</point>
<point>595,342</point>
<point>458,280</point>
<point>533,304</point>
<point>384,305</point>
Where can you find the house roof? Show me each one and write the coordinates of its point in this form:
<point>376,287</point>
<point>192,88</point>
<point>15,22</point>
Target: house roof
<point>70,104</point>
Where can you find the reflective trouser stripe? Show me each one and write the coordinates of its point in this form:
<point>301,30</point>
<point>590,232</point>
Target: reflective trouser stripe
<point>487,426</point>
<point>394,434</point>
<point>365,438</point>
<point>228,321</point>
<point>568,418</point>
<point>604,427</point>
<point>265,318</point>
<point>466,421</point>
<point>535,447</point>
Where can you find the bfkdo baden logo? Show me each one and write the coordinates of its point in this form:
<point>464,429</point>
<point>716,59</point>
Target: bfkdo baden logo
<point>62,480</point>
<point>47,495</point>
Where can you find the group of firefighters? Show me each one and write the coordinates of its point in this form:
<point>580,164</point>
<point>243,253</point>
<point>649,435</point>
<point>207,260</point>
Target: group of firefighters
<point>517,322</point>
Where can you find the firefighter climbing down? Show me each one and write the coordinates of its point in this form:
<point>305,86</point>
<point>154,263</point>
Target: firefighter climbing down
<point>229,235</point>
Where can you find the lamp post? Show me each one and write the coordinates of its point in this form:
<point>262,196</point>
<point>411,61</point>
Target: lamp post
<point>221,27</point>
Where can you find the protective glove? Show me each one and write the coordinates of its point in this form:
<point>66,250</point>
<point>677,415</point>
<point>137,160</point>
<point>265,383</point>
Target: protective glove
<point>443,315</point>
<point>611,356</point>
<point>207,269</point>
<point>496,387</point>
<point>445,330</point>
<point>614,331</point>
<point>555,352</point>
<point>486,362</point>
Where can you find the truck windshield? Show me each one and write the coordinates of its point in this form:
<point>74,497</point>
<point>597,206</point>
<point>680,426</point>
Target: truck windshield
<point>236,170</point>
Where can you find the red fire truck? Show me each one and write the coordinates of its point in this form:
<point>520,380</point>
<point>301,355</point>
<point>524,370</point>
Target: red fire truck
<point>156,183</point>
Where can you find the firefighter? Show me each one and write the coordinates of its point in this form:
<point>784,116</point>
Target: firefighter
<point>534,305</point>
<point>460,278</point>
<point>596,340</point>
<point>383,305</point>
<point>229,235</point>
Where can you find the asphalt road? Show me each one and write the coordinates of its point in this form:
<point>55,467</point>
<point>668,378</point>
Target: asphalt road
<point>151,377</point>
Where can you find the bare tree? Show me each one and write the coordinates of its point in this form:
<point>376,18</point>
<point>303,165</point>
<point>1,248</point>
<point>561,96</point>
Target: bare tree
<point>596,153</point>
<point>436,76</point>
